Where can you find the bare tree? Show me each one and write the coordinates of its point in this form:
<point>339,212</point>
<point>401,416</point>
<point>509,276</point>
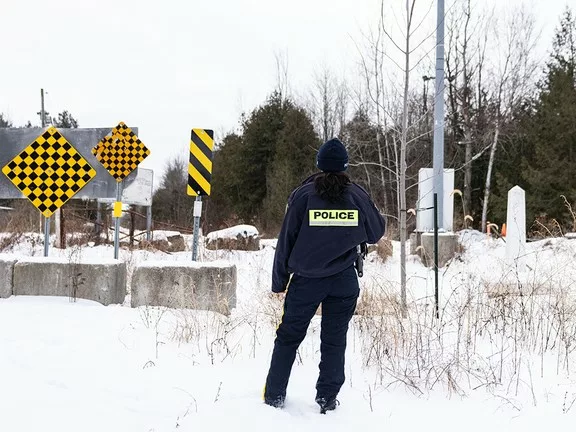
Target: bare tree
<point>465,63</point>
<point>514,69</point>
<point>328,104</point>
<point>401,129</point>
<point>282,77</point>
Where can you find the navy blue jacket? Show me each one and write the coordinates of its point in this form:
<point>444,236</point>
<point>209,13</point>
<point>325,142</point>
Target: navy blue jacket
<point>318,238</point>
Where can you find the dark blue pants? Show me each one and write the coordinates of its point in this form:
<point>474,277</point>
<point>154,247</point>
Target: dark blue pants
<point>338,295</point>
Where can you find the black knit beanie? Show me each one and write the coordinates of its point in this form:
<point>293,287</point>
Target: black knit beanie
<point>332,156</point>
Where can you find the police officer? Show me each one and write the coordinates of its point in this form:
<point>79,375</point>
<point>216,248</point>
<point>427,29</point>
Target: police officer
<point>327,218</point>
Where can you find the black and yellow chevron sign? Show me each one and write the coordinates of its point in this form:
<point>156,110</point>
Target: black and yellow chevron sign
<point>200,166</point>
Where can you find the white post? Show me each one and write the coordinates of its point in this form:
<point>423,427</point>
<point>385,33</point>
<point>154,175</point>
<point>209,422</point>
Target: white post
<point>516,229</point>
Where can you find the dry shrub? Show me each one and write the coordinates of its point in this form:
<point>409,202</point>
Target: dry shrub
<point>384,249</point>
<point>239,243</point>
<point>9,240</point>
<point>493,342</point>
<point>571,211</point>
<point>23,218</point>
<point>377,302</point>
<point>544,227</point>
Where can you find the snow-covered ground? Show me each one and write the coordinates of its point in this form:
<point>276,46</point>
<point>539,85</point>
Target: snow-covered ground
<point>499,363</point>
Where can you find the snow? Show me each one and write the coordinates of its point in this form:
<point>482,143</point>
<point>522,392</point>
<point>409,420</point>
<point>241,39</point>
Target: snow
<point>68,366</point>
<point>63,260</point>
<point>180,263</point>
<point>165,235</point>
<point>233,232</point>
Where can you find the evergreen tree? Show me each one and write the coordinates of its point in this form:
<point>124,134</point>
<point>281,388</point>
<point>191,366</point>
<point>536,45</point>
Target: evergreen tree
<point>254,171</point>
<point>4,123</point>
<point>294,159</point>
<point>171,203</point>
<point>551,131</point>
<point>66,120</point>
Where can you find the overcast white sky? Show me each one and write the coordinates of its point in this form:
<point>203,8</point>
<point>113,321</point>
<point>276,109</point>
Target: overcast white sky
<point>168,66</point>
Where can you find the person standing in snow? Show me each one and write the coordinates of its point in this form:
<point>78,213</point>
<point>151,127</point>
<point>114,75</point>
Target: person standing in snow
<point>327,218</point>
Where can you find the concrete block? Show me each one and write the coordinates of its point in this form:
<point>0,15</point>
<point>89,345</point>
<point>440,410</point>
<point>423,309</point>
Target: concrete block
<point>185,285</point>
<point>100,281</point>
<point>6,275</point>
<point>447,246</point>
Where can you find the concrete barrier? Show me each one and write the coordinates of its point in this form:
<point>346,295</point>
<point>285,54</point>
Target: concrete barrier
<point>447,245</point>
<point>186,285</point>
<point>103,281</point>
<point>6,274</point>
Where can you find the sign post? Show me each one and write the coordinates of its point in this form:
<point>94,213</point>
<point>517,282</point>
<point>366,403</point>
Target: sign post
<point>49,172</point>
<point>46,235</point>
<point>117,215</point>
<point>197,214</point>
<point>199,175</point>
<point>120,154</point>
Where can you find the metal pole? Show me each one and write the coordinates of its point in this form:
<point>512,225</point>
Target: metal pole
<point>42,111</point>
<point>46,235</point>
<point>439,115</point>
<point>43,124</point>
<point>197,214</point>
<point>98,218</point>
<point>149,223</point>
<point>436,306</point>
<point>117,219</point>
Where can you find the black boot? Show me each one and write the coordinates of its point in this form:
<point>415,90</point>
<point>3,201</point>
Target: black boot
<point>277,402</point>
<point>327,404</point>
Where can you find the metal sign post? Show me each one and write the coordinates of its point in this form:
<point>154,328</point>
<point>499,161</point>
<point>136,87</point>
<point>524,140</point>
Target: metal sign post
<point>197,214</point>
<point>436,293</point>
<point>117,215</point>
<point>46,235</point>
<point>149,223</point>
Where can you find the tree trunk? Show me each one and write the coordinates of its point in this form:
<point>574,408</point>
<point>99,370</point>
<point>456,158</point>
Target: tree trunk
<point>402,185</point>
<point>489,176</point>
<point>467,175</point>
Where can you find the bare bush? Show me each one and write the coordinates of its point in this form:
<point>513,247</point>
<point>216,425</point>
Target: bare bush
<point>481,339</point>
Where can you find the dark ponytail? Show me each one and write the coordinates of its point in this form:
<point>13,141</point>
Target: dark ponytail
<point>331,185</point>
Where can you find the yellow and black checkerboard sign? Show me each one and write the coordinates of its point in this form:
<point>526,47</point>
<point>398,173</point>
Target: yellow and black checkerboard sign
<point>121,152</point>
<point>49,171</point>
<point>200,166</point>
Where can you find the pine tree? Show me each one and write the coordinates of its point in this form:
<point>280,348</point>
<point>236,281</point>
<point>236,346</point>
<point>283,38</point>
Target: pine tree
<point>4,123</point>
<point>66,120</point>
<point>171,203</point>
<point>254,171</point>
<point>294,159</point>
<point>551,131</point>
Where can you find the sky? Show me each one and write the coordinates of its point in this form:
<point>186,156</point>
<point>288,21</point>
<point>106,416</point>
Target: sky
<point>166,67</point>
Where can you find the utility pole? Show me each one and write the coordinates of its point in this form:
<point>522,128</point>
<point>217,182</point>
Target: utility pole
<point>42,112</point>
<point>438,168</point>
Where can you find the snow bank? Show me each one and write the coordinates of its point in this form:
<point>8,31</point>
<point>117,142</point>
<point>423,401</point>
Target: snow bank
<point>185,370</point>
<point>184,264</point>
<point>233,232</point>
<point>67,260</point>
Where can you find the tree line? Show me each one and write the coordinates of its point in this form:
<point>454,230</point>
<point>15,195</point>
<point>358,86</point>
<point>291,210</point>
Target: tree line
<point>510,120</point>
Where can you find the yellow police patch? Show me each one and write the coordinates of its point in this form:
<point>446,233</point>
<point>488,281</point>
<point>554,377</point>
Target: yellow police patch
<point>333,217</point>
